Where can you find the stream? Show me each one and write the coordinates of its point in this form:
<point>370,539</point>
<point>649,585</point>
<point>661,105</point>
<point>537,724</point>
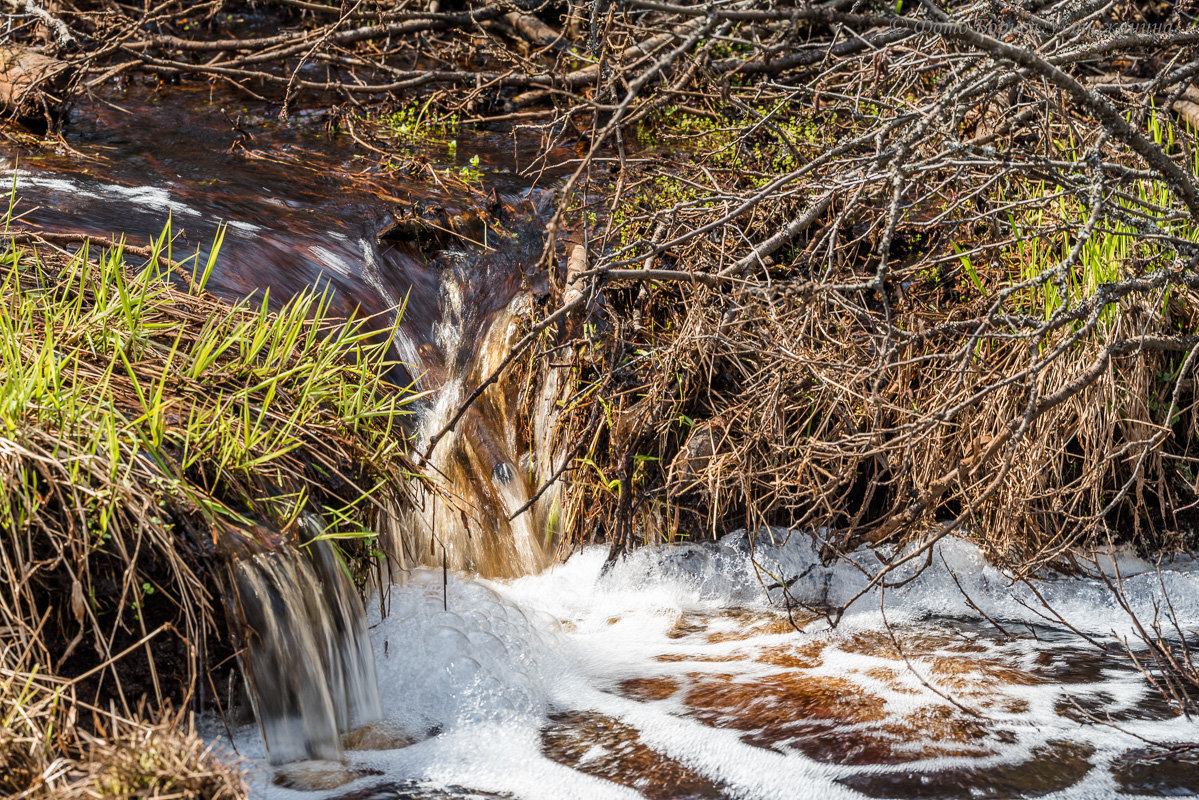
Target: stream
<point>674,675</point>
<point>679,672</point>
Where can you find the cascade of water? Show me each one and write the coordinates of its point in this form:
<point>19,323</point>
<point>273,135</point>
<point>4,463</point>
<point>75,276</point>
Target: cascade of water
<point>482,515</point>
<point>307,656</point>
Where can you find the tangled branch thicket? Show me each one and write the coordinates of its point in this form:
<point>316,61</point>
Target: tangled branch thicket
<point>889,277</point>
<point>880,275</point>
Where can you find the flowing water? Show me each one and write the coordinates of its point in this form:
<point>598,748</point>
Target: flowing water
<point>307,655</point>
<point>683,672</point>
<point>675,675</point>
<point>302,210</point>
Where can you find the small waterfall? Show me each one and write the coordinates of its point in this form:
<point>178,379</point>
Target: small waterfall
<point>483,513</point>
<point>465,520</point>
<point>464,282</point>
<point>307,656</point>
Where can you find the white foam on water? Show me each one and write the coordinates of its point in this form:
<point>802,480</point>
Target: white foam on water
<point>243,226</point>
<point>152,198</point>
<point>448,328</point>
<point>954,579</point>
<point>335,262</point>
<point>476,670</point>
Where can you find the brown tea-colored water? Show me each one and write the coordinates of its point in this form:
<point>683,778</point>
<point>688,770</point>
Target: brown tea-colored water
<point>302,206</point>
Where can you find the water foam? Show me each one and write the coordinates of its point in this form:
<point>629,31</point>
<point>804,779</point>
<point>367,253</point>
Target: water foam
<point>149,198</point>
<point>683,653</point>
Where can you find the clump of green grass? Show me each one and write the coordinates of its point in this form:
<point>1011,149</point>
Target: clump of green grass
<point>115,372</point>
<point>1115,249</point>
<point>147,433</point>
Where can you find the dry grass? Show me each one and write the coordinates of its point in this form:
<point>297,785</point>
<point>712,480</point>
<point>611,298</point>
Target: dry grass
<point>45,753</point>
<point>160,761</point>
<point>777,416</point>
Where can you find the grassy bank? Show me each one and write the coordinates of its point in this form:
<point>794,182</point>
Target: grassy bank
<point>149,432</point>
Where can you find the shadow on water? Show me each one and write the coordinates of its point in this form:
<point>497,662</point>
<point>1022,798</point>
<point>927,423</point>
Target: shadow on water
<point>1051,768</point>
<point>1159,771</point>
<point>417,791</point>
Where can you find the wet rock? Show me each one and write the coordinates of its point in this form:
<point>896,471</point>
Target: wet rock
<point>316,775</point>
<point>376,736</point>
<point>415,791</point>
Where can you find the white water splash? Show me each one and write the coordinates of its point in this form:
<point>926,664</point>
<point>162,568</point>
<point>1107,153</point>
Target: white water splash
<point>679,652</point>
<point>150,199</point>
